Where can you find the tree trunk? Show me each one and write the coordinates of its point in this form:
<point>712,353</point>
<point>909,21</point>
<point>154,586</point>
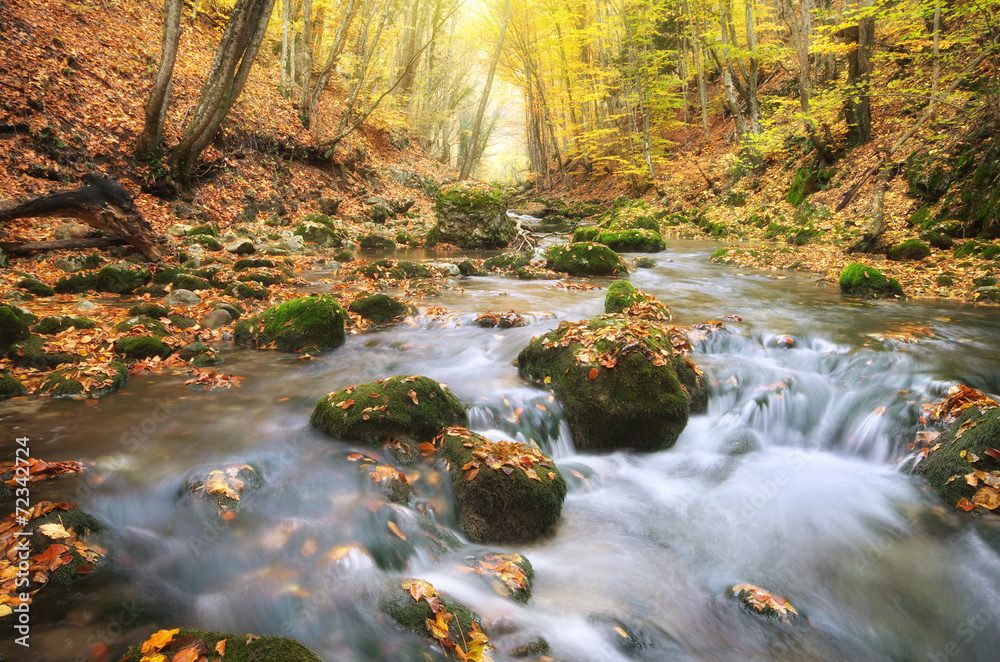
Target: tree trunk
<point>103,203</point>
<point>286,20</point>
<point>477,126</point>
<point>307,59</point>
<point>226,78</point>
<point>700,69</point>
<point>332,58</point>
<point>148,144</point>
<point>857,105</point>
<point>800,38</point>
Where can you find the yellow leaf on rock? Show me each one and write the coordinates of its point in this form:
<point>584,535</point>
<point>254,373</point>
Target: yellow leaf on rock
<point>55,531</point>
<point>987,497</point>
<point>220,647</point>
<point>158,640</point>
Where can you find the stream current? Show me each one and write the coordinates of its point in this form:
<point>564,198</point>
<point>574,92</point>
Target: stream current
<point>823,513</point>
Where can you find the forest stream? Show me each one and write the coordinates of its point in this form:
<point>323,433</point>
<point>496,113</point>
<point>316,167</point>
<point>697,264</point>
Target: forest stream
<point>822,511</point>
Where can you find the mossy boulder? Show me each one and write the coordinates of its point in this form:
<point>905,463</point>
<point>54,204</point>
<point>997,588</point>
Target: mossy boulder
<point>243,290</point>
<point>508,320</point>
<point>85,560</point>
<point>505,491</point>
<point>120,280</point>
<point>191,282</point>
<point>101,380</point>
<point>13,328</point>
<point>408,602</point>
<point>29,354</point>
<point>861,280</point>
<point>510,575</point>
<point>639,240</point>
<point>506,262</point>
<point>37,288</point>
<point>313,323</point>
<point>410,409</point>
<point>76,284</point>
<point>217,275</point>
<point>937,239</point>
<point>148,323</point>
<point>48,326</point>
<point>264,277</point>
<point>585,259</point>
<point>470,268</point>
<point>153,310</point>
<point>252,263</point>
<point>11,388</point>
<point>317,233</point>
<point>225,487</point>
<point>239,648</point>
<point>472,215</point>
<point>141,347</point>
<point>207,241</point>
<point>381,308</point>
<point>966,462</point>
<point>621,294</point>
<point>911,249</point>
<point>373,242</point>
<point>641,402</point>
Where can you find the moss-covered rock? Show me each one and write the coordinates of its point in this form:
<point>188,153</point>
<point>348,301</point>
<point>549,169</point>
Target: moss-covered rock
<point>37,288</point>
<point>85,559</point>
<point>239,648</point>
<point>120,280</point>
<point>963,465</point>
<point>645,263</point>
<point>510,575</point>
<point>153,310</point>
<point>937,239</point>
<point>101,380</point>
<point>506,262</point>
<point>642,401</point>
<point>381,308</point>
<point>505,491</point>
<point>141,347</point>
<point>632,240</point>
<point>317,233</point>
<point>48,326</point>
<point>148,323</point>
<point>12,327</point>
<point>861,280</point>
<point>215,274</point>
<point>29,354</point>
<point>253,263</point>
<point>585,259</point>
<point>472,215</point>
<point>911,249</point>
<point>11,388</point>
<point>191,282</point>
<point>207,241</point>
<point>409,603</point>
<point>76,284</point>
<point>470,268</point>
<point>225,487</point>
<point>386,269</point>
<point>508,320</point>
<point>243,290</point>
<point>264,277</point>
<point>373,242</point>
<point>313,323</point>
<point>621,294</point>
<point>407,408</point>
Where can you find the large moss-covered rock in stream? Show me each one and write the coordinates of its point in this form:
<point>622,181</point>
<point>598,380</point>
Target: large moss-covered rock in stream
<point>136,348</point>
<point>29,354</point>
<point>48,326</point>
<point>417,607</point>
<point>120,280</point>
<point>966,462</point>
<point>315,323</point>
<point>505,491</point>
<point>862,280</point>
<point>239,647</point>
<point>585,259</point>
<point>639,240</point>
<point>381,308</point>
<point>408,409</point>
<point>619,381</point>
<point>13,328</point>
<point>472,215</point>
<point>94,381</point>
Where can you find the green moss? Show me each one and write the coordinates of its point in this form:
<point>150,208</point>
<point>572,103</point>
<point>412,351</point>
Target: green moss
<point>189,282</point>
<point>495,506</point>
<point>307,323</point>
<point>167,275</point>
<point>911,249</point>
<point>631,240</point>
<point>76,284</point>
<point>35,287</point>
<point>215,485</point>
<point>807,180</point>
<point>505,262</point>
<point>216,275</point>
<point>637,404</point>
<point>470,268</point>
<point>390,410</point>
<point>859,279</point>
<point>151,325</point>
<point>718,254</point>
<point>80,523</point>
<point>206,230</point>
<point>316,233</point>
<point>12,327</point>
<point>990,252</point>
<point>246,291</point>
<point>29,354</point>
<point>937,240</point>
<point>645,263</point>
<point>621,294</point>
<point>61,384</point>
<point>376,242</point>
<point>272,277</point>
<point>381,308</point>
<point>238,648</point>
<point>472,197</point>
<point>252,263</point>
<point>947,461</point>
<point>921,218</point>
<point>585,259</point>
<point>141,347</point>
<point>149,310</point>
<point>489,566</point>
<point>344,256</point>
<point>120,280</point>
<point>412,615</point>
<point>234,309</point>
<point>11,388</point>
<point>48,326</point>
<point>971,247</point>
<point>207,241</point>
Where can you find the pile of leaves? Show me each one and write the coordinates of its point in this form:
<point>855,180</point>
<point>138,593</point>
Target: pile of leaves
<point>506,572</point>
<point>960,398</point>
<point>508,320</point>
<point>37,471</point>
<point>473,646</point>
<point>764,602</point>
<point>211,380</point>
<point>505,456</point>
<point>625,333</point>
<point>63,548</point>
<point>225,487</point>
<point>179,645</point>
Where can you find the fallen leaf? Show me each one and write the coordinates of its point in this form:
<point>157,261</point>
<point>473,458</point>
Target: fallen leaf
<point>395,530</point>
<point>345,404</point>
<point>220,647</point>
<point>158,640</point>
<point>965,504</point>
<point>413,396</point>
<point>53,530</point>
<point>472,474</point>
<point>987,497</point>
<point>187,655</point>
<point>593,374</point>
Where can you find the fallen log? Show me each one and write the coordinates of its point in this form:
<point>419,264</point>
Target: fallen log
<point>101,202</point>
<point>26,247</point>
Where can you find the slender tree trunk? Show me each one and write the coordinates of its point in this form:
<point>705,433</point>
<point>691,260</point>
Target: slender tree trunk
<point>286,19</point>
<point>307,58</point>
<point>470,156</point>
<point>857,105</point>
<point>332,58</point>
<point>228,74</point>
<point>800,30</point>
<point>700,69</point>
<point>149,140</point>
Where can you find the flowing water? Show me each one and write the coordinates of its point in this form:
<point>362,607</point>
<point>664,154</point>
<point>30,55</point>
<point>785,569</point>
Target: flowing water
<point>822,513</point>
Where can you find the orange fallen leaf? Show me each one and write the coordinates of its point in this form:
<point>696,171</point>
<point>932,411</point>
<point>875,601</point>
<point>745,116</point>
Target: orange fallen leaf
<point>158,640</point>
<point>220,647</point>
<point>413,396</point>
<point>345,404</point>
<point>395,530</point>
<point>189,654</point>
<point>987,497</point>
<point>965,504</point>
<point>472,473</point>
<point>593,374</point>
